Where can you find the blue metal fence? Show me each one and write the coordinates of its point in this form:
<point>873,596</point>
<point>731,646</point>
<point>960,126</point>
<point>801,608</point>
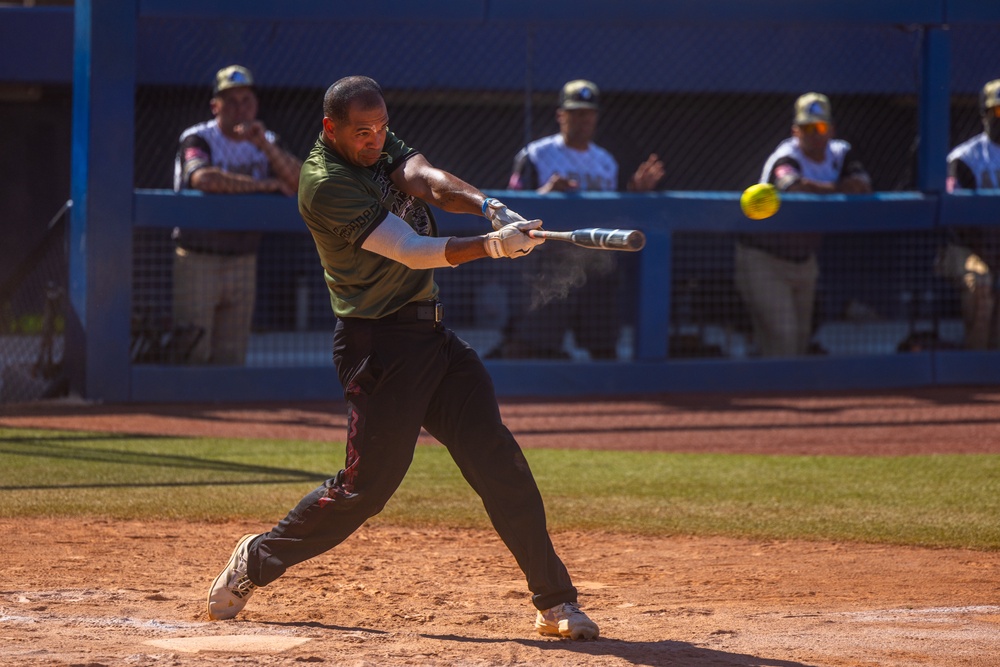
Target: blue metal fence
<point>107,67</point>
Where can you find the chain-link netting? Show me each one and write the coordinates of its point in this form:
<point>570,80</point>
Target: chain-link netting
<point>33,319</point>
<point>673,90</point>
<point>684,92</point>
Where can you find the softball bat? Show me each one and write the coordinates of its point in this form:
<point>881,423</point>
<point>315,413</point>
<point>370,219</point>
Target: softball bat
<point>629,240</point>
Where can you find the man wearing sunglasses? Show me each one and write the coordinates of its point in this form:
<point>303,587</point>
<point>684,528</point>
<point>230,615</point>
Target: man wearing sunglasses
<point>972,256</point>
<point>776,273</point>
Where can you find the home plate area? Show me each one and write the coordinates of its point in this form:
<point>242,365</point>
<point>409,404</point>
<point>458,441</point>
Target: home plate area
<point>232,643</point>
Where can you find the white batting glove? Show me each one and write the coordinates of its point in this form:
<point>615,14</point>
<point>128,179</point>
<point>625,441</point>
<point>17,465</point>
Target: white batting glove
<point>512,240</point>
<point>499,215</point>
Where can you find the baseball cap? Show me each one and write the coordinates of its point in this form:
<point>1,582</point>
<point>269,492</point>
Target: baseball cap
<point>989,97</point>
<point>233,76</point>
<point>812,108</point>
<point>579,94</point>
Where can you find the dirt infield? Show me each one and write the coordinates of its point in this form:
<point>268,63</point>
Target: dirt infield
<point>97,592</point>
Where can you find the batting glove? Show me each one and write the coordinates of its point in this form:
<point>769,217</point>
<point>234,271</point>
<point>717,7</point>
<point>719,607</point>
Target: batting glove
<point>512,240</point>
<point>499,215</point>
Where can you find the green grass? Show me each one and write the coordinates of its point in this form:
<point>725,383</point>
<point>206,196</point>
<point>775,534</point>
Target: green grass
<point>941,500</point>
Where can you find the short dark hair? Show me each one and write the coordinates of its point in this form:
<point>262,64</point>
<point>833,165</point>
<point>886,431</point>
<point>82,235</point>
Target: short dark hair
<point>339,96</point>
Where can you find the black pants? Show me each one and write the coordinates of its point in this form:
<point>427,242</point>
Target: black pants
<point>399,376</point>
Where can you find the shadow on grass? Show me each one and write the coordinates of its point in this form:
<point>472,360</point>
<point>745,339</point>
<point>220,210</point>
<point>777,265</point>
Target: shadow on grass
<point>64,447</point>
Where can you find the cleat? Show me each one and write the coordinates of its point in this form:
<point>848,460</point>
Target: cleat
<point>566,620</point>
<point>232,588</point>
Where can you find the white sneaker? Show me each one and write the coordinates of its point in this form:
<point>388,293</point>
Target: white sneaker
<point>566,620</point>
<point>232,588</point>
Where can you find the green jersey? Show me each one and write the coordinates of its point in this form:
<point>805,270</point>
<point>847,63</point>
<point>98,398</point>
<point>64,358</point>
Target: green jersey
<point>342,204</point>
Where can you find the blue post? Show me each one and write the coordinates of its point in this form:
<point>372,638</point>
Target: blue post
<point>655,280</point>
<point>100,245</point>
<point>935,100</point>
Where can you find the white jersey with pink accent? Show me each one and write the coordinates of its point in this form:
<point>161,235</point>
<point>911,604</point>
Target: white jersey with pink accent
<point>982,157</point>
<point>204,145</point>
<point>594,169</point>
<point>788,155</point>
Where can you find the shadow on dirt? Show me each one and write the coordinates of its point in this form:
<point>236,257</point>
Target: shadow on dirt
<point>655,654</point>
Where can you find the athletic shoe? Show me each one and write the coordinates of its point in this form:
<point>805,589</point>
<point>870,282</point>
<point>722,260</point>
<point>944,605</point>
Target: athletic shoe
<point>232,588</point>
<point>566,620</point>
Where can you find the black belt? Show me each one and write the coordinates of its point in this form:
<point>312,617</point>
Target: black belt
<point>427,311</point>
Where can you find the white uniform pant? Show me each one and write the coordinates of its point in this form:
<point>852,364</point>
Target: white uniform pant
<point>976,283</point>
<point>216,293</point>
<point>779,295</point>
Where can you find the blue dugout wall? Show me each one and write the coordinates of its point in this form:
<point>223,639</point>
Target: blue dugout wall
<point>105,68</point>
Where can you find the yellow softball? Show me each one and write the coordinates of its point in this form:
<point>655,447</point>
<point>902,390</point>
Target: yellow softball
<point>760,201</point>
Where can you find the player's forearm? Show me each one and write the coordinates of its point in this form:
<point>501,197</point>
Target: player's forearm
<point>813,187</point>
<point>454,195</point>
<point>284,165</point>
<point>462,249</point>
<point>217,181</point>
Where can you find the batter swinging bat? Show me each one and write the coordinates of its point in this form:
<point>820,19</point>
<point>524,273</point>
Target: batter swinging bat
<point>630,240</point>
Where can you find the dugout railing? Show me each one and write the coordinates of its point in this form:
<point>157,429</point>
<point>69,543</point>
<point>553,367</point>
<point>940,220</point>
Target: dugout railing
<point>108,65</point>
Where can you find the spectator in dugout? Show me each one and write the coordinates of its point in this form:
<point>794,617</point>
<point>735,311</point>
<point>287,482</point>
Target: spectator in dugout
<point>215,271</point>
<point>776,273</point>
<point>971,258</point>
<point>566,292</point>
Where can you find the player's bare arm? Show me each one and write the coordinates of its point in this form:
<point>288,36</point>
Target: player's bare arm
<point>813,187</point>
<point>850,185</point>
<point>216,181</point>
<point>284,165</point>
<point>419,178</point>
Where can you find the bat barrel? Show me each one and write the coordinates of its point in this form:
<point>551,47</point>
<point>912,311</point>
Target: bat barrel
<point>612,239</point>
